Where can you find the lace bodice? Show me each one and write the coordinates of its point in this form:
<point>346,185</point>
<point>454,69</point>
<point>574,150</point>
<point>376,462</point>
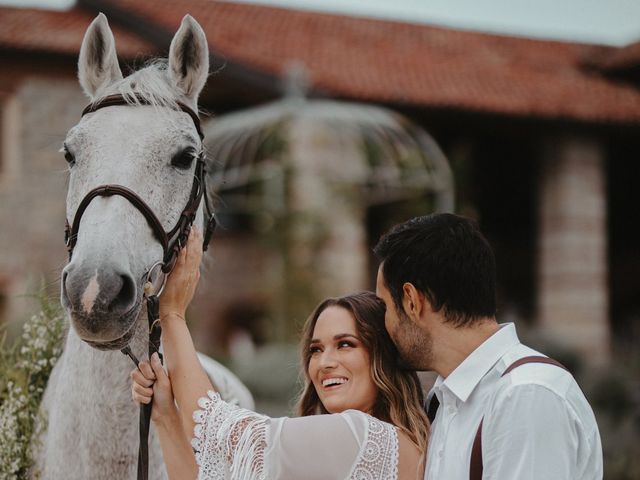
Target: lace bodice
<point>232,443</point>
<point>378,457</point>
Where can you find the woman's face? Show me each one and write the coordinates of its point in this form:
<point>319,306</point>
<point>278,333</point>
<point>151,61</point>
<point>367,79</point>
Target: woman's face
<point>339,363</point>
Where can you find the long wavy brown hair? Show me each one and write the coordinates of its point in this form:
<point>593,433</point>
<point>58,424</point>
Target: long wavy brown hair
<point>400,395</point>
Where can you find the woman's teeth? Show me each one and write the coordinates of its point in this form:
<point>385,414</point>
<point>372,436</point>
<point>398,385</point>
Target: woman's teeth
<point>329,382</point>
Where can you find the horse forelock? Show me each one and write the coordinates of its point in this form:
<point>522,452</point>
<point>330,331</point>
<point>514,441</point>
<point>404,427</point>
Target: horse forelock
<point>150,86</point>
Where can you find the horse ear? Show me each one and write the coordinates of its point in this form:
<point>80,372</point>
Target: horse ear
<point>189,58</point>
<point>98,63</point>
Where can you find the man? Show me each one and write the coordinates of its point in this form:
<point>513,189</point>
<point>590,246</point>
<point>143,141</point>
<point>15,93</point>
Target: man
<point>437,279</point>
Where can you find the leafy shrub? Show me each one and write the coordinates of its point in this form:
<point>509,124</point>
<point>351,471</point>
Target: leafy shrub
<point>25,366</point>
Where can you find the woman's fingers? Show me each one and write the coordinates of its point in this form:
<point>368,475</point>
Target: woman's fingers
<point>182,282</point>
<point>182,255</point>
<point>138,377</point>
<point>142,391</point>
<point>194,247</point>
<point>158,370</point>
<point>142,385</point>
<point>141,398</point>
<point>193,259</point>
<point>161,374</point>
<point>146,370</point>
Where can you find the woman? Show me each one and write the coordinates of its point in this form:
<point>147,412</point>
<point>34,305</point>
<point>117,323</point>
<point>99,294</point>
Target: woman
<point>396,393</point>
<point>378,431</point>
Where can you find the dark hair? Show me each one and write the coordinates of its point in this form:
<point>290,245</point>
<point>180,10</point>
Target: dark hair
<point>447,259</point>
<point>400,397</point>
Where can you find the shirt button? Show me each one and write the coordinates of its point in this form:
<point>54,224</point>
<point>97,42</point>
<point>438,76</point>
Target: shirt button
<point>441,453</point>
<point>451,410</point>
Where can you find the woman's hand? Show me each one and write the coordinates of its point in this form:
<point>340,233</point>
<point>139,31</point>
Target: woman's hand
<point>151,383</point>
<point>182,282</point>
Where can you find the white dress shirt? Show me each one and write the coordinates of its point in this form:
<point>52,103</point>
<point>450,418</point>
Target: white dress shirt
<point>537,422</point>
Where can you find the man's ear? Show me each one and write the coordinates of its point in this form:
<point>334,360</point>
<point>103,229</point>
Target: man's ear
<point>414,302</point>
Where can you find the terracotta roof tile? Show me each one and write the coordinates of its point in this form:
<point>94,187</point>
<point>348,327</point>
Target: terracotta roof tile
<point>30,29</point>
<point>393,62</point>
<point>385,61</point>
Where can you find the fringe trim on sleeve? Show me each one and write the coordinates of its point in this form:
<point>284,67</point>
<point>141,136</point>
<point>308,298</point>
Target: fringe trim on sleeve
<point>229,442</point>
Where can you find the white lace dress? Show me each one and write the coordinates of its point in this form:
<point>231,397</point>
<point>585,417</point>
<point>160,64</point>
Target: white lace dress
<point>232,443</point>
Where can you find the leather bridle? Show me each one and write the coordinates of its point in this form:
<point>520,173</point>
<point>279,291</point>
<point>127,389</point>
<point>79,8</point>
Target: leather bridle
<point>172,242</point>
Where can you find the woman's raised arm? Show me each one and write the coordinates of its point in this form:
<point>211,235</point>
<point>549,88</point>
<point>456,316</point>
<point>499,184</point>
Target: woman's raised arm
<point>188,379</point>
<point>246,444</point>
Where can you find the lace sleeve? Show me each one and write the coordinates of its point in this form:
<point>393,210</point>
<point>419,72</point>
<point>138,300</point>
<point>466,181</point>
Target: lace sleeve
<point>378,457</point>
<point>229,442</point>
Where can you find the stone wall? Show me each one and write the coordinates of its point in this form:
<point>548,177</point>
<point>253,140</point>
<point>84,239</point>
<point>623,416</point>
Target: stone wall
<point>37,112</point>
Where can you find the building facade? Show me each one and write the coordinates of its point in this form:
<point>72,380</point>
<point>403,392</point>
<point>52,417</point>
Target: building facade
<point>541,137</point>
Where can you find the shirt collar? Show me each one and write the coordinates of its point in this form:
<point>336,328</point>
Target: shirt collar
<point>464,379</point>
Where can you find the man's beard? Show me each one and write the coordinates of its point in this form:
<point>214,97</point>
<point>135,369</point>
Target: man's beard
<point>414,344</point>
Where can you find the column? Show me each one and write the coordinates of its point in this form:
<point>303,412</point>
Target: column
<point>572,262</point>
<point>327,249</point>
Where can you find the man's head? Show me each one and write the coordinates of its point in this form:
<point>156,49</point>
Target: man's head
<point>442,262</point>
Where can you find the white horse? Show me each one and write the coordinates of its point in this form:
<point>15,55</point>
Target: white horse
<point>148,147</point>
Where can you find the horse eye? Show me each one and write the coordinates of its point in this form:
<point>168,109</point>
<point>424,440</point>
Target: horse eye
<point>183,159</point>
<point>68,156</point>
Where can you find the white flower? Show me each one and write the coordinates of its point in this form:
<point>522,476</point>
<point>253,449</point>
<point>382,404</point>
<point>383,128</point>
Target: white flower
<point>27,366</point>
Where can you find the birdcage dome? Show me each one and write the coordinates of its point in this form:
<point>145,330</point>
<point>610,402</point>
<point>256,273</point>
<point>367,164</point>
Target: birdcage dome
<point>398,160</point>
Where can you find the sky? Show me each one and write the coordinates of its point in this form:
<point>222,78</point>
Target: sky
<point>609,22</point>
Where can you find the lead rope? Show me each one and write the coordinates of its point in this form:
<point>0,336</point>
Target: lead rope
<point>155,332</point>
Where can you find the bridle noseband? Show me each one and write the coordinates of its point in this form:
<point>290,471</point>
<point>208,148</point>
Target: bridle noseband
<point>172,242</point>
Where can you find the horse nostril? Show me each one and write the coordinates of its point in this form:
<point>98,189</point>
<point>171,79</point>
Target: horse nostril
<point>125,298</point>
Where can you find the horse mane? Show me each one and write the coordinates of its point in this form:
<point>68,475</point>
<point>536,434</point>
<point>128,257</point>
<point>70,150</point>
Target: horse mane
<point>150,85</point>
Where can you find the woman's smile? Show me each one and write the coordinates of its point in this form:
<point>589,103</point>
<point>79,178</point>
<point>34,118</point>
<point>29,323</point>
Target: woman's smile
<point>339,364</point>
<point>331,383</point>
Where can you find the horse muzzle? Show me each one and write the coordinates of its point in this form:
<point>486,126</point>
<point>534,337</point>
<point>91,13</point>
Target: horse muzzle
<point>103,305</point>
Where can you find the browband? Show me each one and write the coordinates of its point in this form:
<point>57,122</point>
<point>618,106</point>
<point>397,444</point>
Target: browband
<point>117,99</point>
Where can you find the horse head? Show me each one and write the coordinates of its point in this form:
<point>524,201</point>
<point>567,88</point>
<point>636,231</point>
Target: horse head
<point>147,144</point>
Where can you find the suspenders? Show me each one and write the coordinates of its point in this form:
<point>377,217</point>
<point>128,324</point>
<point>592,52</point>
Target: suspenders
<point>475,464</point>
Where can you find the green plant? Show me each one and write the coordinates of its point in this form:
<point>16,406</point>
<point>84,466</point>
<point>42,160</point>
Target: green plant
<point>25,366</point>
